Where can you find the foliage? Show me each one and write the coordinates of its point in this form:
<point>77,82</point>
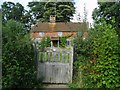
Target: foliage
<point>108,10</point>
<point>18,62</point>
<point>45,42</point>
<point>82,54</point>
<point>42,10</point>
<point>16,12</point>
<point>63,41</point>
<point>97,57</point>
<point>106,49</point>
<point>36,10</point>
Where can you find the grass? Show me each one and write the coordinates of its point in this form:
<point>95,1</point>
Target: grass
<point>65,58</point>
<point>60,56</point>
<point>50,56</point>
<point>46,56</point>
<point>39,56</point>
<point>68,57</point>
<point>57,57</point>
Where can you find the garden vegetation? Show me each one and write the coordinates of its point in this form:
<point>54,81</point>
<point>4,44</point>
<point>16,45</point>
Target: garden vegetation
<point>18,56</point>
<point>97,58</point>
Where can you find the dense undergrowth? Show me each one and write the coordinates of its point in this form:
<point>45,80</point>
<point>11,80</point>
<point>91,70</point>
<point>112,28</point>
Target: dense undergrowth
<point>97,58</point>
<point>18,58</point>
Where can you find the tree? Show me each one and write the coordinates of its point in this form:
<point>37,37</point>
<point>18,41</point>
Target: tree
<point>16,12</point>
<point>108,11</point>
<point>17,57</point>
<point>36,10</point>
<point>42,10</point>
<point>97,57</point>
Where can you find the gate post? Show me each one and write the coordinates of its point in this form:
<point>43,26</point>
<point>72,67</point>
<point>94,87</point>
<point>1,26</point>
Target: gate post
<point>71,63</point>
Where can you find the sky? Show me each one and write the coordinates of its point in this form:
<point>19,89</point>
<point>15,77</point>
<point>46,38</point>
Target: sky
<point>90,6</point>
<point>79,4</point>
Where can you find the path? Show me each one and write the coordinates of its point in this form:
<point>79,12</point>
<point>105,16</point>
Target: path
<point>56,87</point>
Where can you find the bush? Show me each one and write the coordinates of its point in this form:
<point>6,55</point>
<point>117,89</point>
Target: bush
<point>63,41</point>
<point>19,69</point>
<point>81,65</point>
<point>98,57</point>
<point>106,48</point>
<point>45,42</point>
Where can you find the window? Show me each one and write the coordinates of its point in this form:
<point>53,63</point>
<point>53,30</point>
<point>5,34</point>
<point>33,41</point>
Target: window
<point>59,34</point>
<point>68,43</point>
<point>41,34</point>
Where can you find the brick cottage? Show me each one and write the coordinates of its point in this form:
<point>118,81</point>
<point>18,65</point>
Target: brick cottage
<point>55,30</point>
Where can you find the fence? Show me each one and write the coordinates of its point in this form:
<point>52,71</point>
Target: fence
<point>63,57</point>
<point>55,67</point>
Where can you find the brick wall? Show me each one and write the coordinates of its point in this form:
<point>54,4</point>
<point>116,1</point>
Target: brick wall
<point>51,34</point>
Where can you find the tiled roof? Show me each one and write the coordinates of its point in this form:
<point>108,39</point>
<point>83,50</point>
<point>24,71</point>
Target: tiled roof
<point>55,27</point>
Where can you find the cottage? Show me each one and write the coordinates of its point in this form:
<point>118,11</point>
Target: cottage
<point>55,30</point>
<point>55,65</point>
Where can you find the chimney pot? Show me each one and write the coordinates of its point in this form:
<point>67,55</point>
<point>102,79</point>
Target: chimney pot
<point>52,18</point>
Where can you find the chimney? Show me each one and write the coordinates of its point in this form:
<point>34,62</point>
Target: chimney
<point>52,18</point>
<point>52,23</point>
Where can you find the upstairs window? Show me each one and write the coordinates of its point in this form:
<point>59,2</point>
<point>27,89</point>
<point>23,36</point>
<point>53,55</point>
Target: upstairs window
<point>60,34</point>
<point>41,34</point>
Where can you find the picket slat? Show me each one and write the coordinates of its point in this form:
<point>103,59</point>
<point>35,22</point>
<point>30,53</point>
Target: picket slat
<point>53,57</point>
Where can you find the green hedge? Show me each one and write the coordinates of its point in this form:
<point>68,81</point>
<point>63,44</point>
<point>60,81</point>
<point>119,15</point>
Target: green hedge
<point>18,62</point>
<point>106,48</point>
<point>98,58</point>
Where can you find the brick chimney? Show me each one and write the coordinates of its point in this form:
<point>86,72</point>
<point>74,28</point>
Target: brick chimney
<point>52,18</point>
<point>52,23</point>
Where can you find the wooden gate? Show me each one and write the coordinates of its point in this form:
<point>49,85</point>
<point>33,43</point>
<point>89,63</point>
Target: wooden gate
<point>55,65</point>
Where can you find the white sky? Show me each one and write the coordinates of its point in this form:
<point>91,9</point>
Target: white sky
<point>90,5</point>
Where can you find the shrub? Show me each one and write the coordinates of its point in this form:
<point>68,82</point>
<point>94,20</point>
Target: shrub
<point>106,48</point>
<point>97,57</point>
<point>81,65</point>
<point>63,40</point>
<point>45,42</point>
<point>18,62</point>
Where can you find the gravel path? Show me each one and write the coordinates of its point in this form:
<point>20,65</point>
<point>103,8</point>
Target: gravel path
<point>56,87</point>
